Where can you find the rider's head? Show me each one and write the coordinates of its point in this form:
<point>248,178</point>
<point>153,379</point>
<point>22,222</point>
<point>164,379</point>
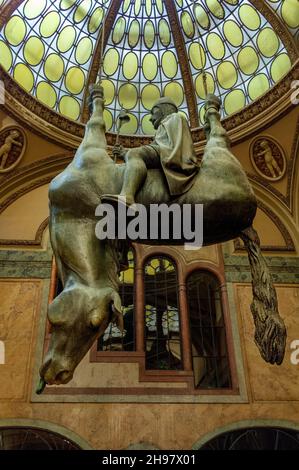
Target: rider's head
<point>162,108</point>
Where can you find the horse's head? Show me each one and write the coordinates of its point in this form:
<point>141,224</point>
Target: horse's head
<point>78,316</point>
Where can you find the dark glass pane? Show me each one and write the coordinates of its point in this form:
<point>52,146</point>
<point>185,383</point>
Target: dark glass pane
<point>162,328</point>
<point>21,438</point>
<point>209,349</point>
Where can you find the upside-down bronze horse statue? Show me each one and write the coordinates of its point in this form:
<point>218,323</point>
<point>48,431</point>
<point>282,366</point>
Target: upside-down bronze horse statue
<point>88,267</point>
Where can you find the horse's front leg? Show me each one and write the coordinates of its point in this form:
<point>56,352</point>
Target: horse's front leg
<point>270,333</point>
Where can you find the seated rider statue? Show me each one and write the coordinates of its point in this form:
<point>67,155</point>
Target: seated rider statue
<point>171,150</point>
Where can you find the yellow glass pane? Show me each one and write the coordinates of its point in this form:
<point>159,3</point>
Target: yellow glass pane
<point>290,13</point>
<point>33,8</point>
<point>149,95</point>
<point>197,56</point>
<point>280,66</point>
<point>201,16</point>
<point>95,20</point>
<point>215,8</point>
<point>160,7</point>
<point>232,2</point>
<point>46,93</point>
<point>69,107</point>
<point>15,30</point>
<point>226,74</point>
<point>233,33</point>
<point>187,24</point>
<point>34,51</point>
<point>249,17</point>
<point>75,80</point>
<point>67,4</point>
<point>234,101</point>
<point>84,50</point>
<point>268,42</point>
<point>130,66</point>
<point>169,64</point>
<point>199,85</point>
<point>148,7</point>
<point>66,38</point>
<point>149,34</point>
<point>150,66</point>
<point>24,76</point>
<point>119,30</point>
<point>201,114</point>
<point>49,24</point>
<point>82,11</point>
<point>248,60</point>
<point>127,96</point>
<point>134,33</point>
<point>54,67</point>
<point>131,126</point>
<point>126,5</point>
<point>109,91</point>
<point>108,119</point>
<point>164,32</point>
<point>215,46</point>
<point>5,56</point>
<point>111,61</point>
<point>147,127</point>
<point>258,86</point>
<point>137,7</point>
<point>175,91</point>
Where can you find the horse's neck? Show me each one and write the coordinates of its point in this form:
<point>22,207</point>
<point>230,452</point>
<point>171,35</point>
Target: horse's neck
<point>95,128</point>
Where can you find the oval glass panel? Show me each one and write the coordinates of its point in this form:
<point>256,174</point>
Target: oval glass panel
<point>46,94</point>
<point>137,6</point>
<point>201,16</point>
<point>119,30</point>
<point>234,101</point>
<point>164,32</point>
<point>82,11</point>
<point>134,32</point>
<point>127,96</point>
<point>148,7</point>
<point>15,30</point>
<point>67,4</point>
<point>149,95</point>
<point>95,20</point>
<point>83,50</point>
<point>34,50</point>
<point>150,66</point>
<point>197,56</point>
<point>187,24</point>
<point>199,85</point>
<point>5,56</point>
<point>126,5</point>
<point>169,64</point>
<point>149,34</point>
<point>130,66</point>
<point>248,60</point>
<point>74,80</point>
<point>268,42</point>
<point>50,24</point>
<point>54,67</point>
<point>131,126</point>
<point>280,66</point>
<point>215,46</point>
<point>233,33</point>
<point>226,74</point>
<point>69,107</point>
<point>258,85</point>
<point>66,38</point>
<point>290,13</point>
<point>108,118</point>
<point>249,17</point>
<point>24,76</point>
<point>109,91</point>
<point>33,9</point>
<point>174,91</point>
<point>111,61</point>
<point>215,8</point>
<point>160,7</point>
<point>147,127</point>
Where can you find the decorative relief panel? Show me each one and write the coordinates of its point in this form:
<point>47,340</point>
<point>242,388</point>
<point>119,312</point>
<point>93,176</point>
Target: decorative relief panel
<point>12,147</point>
<point>268,158</point>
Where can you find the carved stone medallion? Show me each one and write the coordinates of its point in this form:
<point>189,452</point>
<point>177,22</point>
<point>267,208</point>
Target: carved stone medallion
<point>268,158</point>
<point>12,147</point>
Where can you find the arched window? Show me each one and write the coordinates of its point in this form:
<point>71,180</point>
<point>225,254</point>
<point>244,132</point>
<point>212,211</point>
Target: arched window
<point>27,438</point>
<point>207,331</point>
<point>162,320</point>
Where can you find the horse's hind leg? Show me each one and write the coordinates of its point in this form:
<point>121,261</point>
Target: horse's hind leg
<point>270,333</point>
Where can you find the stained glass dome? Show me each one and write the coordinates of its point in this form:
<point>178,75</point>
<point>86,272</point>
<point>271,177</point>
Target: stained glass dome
<point>152,48</point>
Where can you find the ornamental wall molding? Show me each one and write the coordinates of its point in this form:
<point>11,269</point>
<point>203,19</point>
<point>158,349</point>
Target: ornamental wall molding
<point>37,242</point>
<point>62,131</point>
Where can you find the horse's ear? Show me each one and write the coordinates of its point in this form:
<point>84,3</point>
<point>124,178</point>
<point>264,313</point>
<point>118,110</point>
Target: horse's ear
<point>117,312</point>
